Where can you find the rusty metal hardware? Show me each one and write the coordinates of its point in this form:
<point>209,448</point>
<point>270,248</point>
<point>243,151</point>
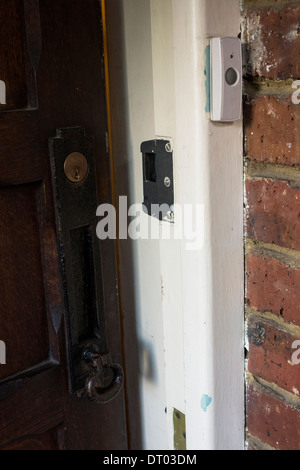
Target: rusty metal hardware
<point>104,379</point>
<point>93,374</point>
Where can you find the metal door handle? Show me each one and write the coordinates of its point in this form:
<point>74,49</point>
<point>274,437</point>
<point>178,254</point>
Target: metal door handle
<point>92,371</point>
<point>105,378</point>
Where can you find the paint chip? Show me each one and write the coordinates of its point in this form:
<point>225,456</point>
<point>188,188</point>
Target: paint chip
<point>205,402</point>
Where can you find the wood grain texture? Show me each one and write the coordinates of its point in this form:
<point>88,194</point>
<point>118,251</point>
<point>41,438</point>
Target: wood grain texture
<point>22,303</point>
<point>43,441</point>
<point>20,151</point>
<point>33,49</point>
<point>12,63</point>
<point>35,407</point>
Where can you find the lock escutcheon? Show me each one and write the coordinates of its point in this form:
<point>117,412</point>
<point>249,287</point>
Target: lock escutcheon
<point>76,167</point>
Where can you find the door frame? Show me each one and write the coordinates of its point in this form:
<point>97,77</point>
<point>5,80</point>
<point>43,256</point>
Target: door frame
<point>195,342</point>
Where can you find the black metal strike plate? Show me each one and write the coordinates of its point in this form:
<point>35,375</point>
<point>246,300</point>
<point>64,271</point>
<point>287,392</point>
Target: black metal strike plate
<point>158,181</point>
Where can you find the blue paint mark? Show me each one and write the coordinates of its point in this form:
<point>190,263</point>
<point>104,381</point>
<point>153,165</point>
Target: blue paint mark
<point>207,82</point>
<point>205,402</point>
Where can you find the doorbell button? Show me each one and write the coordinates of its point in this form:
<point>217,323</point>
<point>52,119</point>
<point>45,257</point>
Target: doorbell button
<point>226,79</point>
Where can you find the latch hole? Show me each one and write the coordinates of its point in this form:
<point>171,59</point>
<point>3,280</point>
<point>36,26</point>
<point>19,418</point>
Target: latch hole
<point>150,167</point>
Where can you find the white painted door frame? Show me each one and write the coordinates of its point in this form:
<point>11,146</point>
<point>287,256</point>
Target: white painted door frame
<point>188,304</point>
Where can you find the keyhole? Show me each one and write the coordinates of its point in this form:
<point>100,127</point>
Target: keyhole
<point>77,173</point>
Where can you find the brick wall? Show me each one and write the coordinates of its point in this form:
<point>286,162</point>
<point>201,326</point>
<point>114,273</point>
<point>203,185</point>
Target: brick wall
<point>271,42</point>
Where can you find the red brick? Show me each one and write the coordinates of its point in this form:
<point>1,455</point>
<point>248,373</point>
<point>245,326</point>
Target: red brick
<point>272,130</point>
<point>272,421</point>
<point>271,356</point>
<point>273,40</point>
<point>273,213</point>
<point>273,287</point>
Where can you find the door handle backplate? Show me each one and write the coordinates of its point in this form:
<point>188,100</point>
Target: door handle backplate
<point>92,372</point>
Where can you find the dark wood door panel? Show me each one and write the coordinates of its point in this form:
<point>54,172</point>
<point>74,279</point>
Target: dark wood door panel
<point>20,36</point>
<point>52,65</point>
<point>22,302</point>
<point>43,441</point>
<point>21,154</point>
<point>12,64</point>
<point>35,403</point>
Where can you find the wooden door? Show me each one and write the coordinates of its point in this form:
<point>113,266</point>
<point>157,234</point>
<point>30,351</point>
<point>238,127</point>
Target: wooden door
<point>52,77</point>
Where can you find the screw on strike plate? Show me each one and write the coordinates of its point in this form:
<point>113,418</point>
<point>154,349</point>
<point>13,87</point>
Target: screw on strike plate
<point>171,216</point>
<point>168,147</point>
<point>167,182</point>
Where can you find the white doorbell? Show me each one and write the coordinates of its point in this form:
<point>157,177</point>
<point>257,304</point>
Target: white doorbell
<point>226,79</point>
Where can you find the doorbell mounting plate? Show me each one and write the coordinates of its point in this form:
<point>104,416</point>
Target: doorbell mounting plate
<point>226,79</point>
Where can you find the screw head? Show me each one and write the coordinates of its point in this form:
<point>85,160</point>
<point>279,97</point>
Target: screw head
<point>168,147</point>
<point>170,216</point>
<point>167,182</point>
